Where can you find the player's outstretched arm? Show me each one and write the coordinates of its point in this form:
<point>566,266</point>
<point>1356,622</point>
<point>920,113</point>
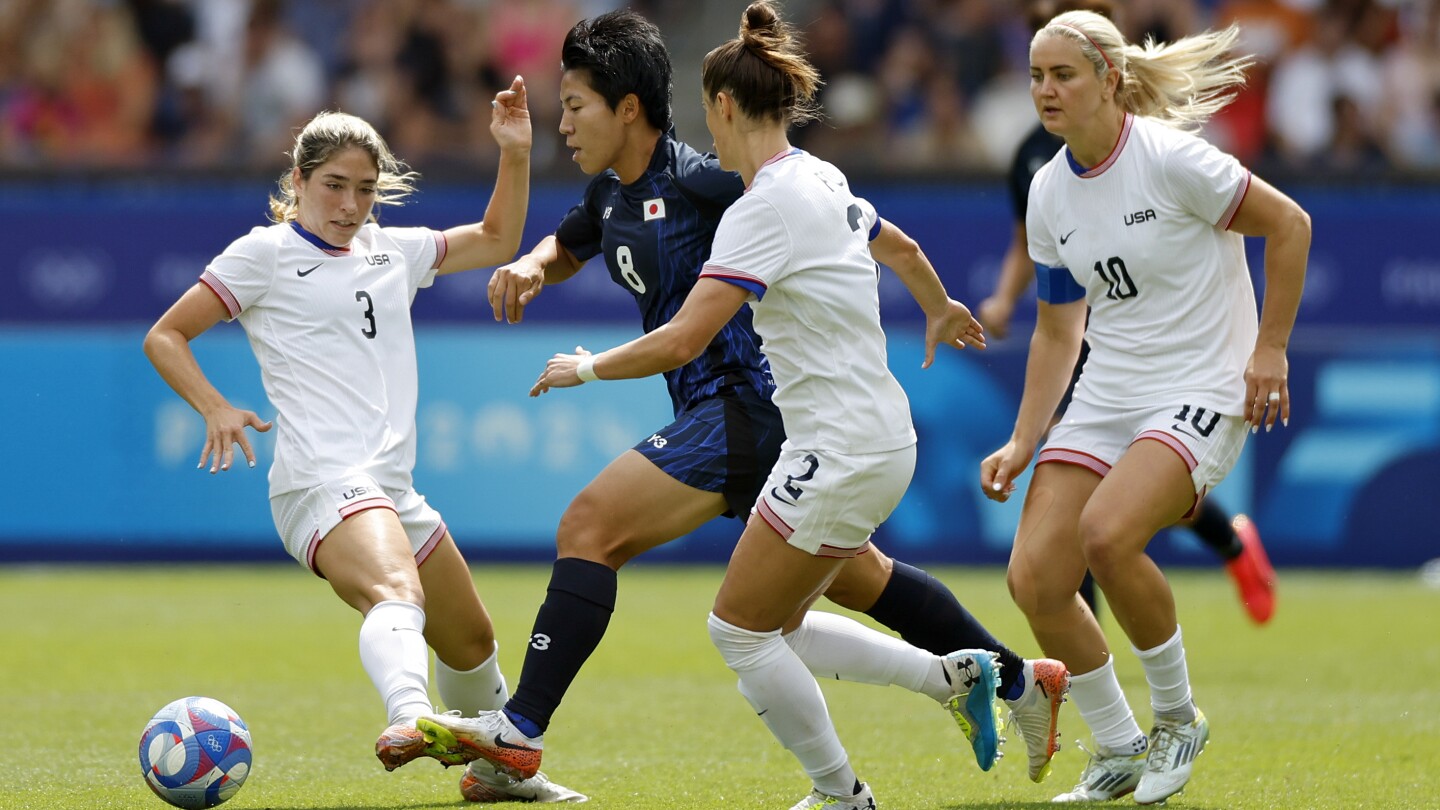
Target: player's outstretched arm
<point>947,321</point>
<point>496,238</point>
<point>168,346</point>
<point>709,306</point>
<point>513,286</point>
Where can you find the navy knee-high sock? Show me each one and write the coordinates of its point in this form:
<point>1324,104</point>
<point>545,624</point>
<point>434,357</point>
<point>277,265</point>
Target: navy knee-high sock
<point>568,628</point>
<point>1212,526</point>
<point>926,614</point>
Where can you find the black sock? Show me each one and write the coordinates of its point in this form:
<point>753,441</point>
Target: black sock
<point>1087,592</point>
<point>1212,526</point>
<point>568,628</point>
<point>927,615</point>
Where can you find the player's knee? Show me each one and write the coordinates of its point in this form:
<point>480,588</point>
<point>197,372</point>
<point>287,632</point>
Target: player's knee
<point>744,649</point>
<point>1104,544</point>
<point>589,533</point>
<point>1037,592</point>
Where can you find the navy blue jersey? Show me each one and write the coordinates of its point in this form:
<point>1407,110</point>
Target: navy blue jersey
<point>1035,151</point>
<point>655,234</point>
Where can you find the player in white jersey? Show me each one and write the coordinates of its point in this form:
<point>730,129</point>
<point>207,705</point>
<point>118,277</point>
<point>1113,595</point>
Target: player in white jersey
<point>1140,222</point>
<point>1235,540</point>
<point>324,296</point>
<point>801,249</point>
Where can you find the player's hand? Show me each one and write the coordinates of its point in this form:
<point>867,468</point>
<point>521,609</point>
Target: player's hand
<point>1267,392</point>
<point>1000,469</point>
<point>510,118</point>
<point>994,313</point>
<point>953,326</point>
<point>560,372</point>
<point>225,428</point>
<point>512,287</point>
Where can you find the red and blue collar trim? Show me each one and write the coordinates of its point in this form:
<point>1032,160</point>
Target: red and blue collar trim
<point>1084,173</point>
<point>324,246</point>
<point>775,158</point>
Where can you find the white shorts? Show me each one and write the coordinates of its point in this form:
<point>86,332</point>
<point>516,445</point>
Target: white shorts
<point>828,504</point>
<point>1095,436</point>
<point>305,516</point>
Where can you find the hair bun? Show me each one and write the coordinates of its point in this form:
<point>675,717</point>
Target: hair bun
<point>760,23</point>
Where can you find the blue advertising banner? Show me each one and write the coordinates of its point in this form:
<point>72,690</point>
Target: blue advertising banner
<point>84,255</point>
<point>103,455</point>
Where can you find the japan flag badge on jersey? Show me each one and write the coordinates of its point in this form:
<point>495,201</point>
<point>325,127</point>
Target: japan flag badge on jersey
<point>654,209</point>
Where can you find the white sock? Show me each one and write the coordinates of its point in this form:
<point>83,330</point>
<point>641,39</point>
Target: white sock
<point>1102,706</point>
<point>1168,678</point>
<point>474,691</point>
<point>393,652</point>
<point>788,700</point>
<point>841,648</point>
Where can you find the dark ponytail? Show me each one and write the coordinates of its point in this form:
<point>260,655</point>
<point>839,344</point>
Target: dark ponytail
<point>764,69</point>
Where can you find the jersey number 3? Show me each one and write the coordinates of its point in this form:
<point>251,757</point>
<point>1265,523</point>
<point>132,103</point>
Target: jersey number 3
<point>369,315</point>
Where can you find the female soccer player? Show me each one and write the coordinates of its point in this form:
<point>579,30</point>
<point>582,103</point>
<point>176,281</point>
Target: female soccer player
<point>324,296</point>
<point>1142,222</point>
<point>1235,540</point>
<point>795,246</point>
<point>652,211</point>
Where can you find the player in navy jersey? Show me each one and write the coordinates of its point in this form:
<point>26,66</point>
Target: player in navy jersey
<point>1236,540</point>
<point>652,210</point>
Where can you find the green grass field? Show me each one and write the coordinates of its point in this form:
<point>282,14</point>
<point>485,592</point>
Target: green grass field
<point>1335,705</point>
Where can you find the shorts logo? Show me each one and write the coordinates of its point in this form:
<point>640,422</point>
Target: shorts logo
<point>540,641</point>
<point>790,487</point>
<point>658,441</point>
<point>355,493</point>
<point>1198,421</point>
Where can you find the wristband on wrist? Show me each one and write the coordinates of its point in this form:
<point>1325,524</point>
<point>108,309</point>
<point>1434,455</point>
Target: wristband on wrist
<point>586,370</point>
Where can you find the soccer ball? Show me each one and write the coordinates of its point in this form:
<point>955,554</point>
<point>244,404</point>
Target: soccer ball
<point>195,752</point>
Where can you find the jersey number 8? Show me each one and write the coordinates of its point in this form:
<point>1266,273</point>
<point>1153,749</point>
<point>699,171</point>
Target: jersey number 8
<point>627,269</point>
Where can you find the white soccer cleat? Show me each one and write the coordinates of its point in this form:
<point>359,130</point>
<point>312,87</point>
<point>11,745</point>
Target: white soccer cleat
<point>1036,713</point>
<point>864,800</point>
<point>973,675</point>
<point>485,784</point>
<point>1106,778</point>
<point>489,736</point>
<point>1173,749</point>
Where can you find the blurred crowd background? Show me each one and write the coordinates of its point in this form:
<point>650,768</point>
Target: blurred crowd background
<point>1342,88</point>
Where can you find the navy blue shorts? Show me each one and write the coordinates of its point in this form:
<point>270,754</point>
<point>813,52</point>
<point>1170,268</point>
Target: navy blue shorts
<point>727,444</point>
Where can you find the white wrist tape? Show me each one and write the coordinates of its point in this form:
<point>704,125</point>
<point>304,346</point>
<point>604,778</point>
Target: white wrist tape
<point>586,370</point>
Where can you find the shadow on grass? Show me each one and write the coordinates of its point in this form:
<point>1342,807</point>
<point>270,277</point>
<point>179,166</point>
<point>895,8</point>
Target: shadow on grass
<point>448,803</point>
<point>1038,804</point>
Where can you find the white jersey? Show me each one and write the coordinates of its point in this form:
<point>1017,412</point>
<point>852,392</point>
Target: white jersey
<point>799,241</point>
<point>331,331</point>
<point>1172,310</point>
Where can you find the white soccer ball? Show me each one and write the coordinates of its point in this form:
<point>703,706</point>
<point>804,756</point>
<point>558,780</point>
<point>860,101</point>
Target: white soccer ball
<point>195,752</point>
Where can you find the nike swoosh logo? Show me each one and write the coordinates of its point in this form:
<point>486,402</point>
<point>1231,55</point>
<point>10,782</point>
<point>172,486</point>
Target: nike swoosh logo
<point>500,743</point>
<point>1067,236</point>
<point>304,273</point>
<point>1179,429</point>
